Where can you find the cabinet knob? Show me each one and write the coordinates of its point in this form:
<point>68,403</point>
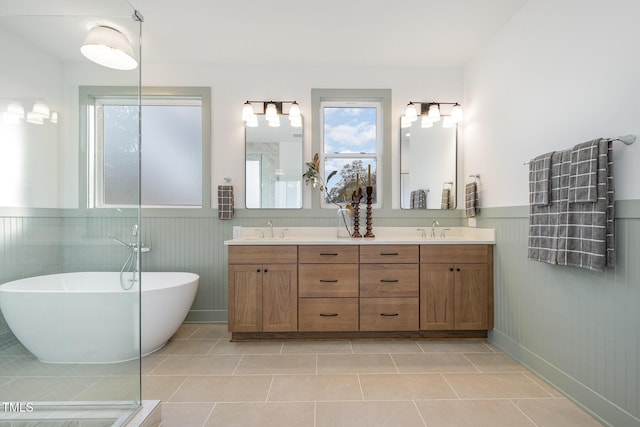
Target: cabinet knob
<point>265,270</point>
<point>450,268</point>
<point>258,271</point>
<point>458,269</point>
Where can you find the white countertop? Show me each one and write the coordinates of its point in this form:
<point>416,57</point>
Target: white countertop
<point>383,236</point>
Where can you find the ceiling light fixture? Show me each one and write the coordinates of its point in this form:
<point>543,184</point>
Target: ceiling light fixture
<point>110,48</point>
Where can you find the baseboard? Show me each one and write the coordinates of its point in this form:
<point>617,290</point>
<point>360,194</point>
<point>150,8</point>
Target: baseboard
<point>600,408</point>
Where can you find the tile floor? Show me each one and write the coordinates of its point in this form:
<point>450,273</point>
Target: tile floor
<point>205,380</point>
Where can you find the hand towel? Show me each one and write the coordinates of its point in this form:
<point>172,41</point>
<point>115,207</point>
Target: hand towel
<point>471,200</point>
<point>225,201</point>
<point>539,173</point>
<point>446,196</point>
<point>418,199</point>
<point>583,174</point>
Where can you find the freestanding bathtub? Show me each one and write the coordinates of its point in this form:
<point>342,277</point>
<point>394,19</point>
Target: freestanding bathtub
<point>88,318</point>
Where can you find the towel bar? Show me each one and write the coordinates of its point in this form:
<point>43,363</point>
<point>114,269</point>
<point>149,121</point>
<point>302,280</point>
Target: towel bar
<point>626,140</point>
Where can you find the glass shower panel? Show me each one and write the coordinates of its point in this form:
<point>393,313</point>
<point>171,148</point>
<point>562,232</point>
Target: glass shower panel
<point>70,346</point>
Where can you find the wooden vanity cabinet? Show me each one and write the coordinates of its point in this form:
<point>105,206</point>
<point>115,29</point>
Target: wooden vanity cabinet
<point>456,287</point>
<point>389,288</point>
<point>263,289</point>
<point>328,288</point>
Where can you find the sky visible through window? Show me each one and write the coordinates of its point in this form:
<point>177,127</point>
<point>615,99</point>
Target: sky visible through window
<point>350,143</point>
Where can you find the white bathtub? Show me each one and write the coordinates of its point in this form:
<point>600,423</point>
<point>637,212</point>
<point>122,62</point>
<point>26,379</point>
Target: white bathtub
<point>89,318</point>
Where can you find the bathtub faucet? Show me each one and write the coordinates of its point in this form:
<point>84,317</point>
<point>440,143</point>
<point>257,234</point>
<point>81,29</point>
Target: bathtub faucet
<point>133,245</point>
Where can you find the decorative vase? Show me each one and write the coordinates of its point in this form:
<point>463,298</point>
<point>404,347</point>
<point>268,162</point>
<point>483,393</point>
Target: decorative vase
<point>344,227</point>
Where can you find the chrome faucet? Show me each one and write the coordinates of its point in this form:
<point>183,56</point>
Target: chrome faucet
<point>423,234</point>
<point>433,228</point>
<point>270,224</point>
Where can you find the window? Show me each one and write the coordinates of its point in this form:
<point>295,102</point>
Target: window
<point>172,170</point>
<point>351,134</point>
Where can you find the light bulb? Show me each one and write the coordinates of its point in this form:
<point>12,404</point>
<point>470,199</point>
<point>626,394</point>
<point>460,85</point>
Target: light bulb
<point>434,112</point>
<point>411,113</point>
<point>456,113</point>
<point>271,112</point>
<point>294,111</point>
<point>247,111</point>
<point>426,122</point>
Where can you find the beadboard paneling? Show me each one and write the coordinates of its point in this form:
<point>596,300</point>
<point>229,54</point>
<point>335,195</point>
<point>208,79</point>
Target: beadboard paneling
<point>579,329</point>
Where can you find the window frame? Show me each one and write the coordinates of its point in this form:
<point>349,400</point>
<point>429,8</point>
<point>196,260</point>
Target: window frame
<point>90,188</point>
<point>377,156</point>
<point>384,172</point>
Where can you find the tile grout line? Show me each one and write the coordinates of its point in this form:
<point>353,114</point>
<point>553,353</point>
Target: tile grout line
<point>471,362</point>
<point>415,405</point>
<point>522,412</point>
<point>450,386</point>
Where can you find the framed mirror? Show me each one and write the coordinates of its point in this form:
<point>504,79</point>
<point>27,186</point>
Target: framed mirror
<point>273,165</point>
<point>428,166</point>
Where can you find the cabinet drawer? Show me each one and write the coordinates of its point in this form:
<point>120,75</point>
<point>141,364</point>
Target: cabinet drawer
<point>389,280</point>
<point>389,314</point>
<point>389,254</point>
<point>328,314</point>
<point>263,254</point>
<point>328,254</point>
<point>454,253</point>
<point>328,280</point>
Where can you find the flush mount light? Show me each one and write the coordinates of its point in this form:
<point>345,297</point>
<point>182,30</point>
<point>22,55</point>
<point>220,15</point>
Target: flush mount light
<point>110,48</point>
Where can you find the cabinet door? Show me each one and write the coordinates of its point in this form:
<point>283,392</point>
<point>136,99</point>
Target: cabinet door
<point>436,296</point>
<point>245,298</point>
<point>471,295</point>
<point>280,298</point>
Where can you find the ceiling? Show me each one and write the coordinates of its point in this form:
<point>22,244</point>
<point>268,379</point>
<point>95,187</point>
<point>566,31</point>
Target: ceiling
<point>302,32</point>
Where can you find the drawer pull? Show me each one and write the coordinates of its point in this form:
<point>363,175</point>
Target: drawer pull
<point>328,314</point>
<point>389,314</point>
<point>328,281</point>
<point>389,253</point>
<point>389,280</point>
<point>329,254</point>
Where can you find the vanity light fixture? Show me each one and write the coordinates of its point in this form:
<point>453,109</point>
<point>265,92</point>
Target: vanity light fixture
<point>40,108</point>
<point>15,110</point>
<point>108,47</point>
<point>271,111</point>
<point>430,112</point>
<point>34,118</point>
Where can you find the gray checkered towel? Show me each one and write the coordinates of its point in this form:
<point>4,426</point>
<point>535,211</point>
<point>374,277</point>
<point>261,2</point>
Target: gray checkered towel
<point>225,201</point>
